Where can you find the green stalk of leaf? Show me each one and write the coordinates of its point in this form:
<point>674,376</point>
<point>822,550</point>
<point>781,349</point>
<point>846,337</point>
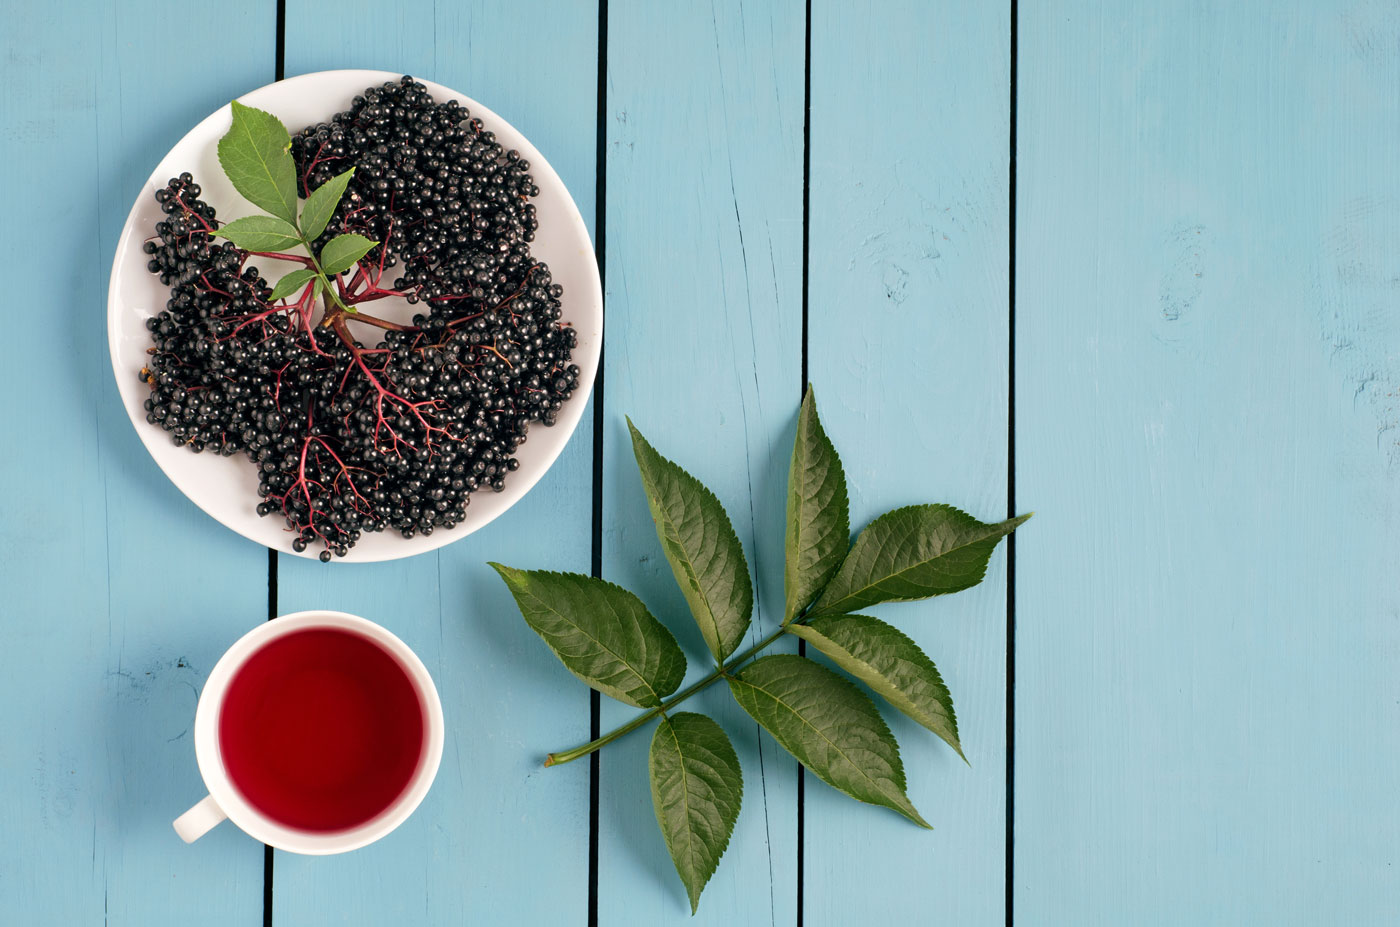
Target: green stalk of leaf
<point>567,756</point>
<point>256,159</point>
<point>606,637</point>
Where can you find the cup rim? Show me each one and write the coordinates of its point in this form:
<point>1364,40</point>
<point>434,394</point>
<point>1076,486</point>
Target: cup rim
<point>258,825</point>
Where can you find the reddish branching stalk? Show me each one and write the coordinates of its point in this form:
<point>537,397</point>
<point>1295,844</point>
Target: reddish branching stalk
<point>316,444</point>
<point>359,501</point>
<point>385,396</point>
<point>306,175</point>
<point>283,256</point>
<point>454,323</point>
<point>392,408</point>
<point>364,286</point>
<point>302,486</point>
<point>378,322</point>
<point>209,229</point>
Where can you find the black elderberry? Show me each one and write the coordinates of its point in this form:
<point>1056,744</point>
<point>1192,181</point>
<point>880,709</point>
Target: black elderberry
<point>351,436</point>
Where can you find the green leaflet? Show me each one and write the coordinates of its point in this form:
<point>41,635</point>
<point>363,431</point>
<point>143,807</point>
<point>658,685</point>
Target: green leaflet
<point>342,251</point>
<point>818,513</point>
<point>291,283</point>
<point>913,553</point>
<point>320,205</point>
<point>701,546</point>
<point>260,233</point>
<point>254,156</point>
<point>696,788</point>
<point>602,633</point>
<point>829,725</point>
<point>890,663</point>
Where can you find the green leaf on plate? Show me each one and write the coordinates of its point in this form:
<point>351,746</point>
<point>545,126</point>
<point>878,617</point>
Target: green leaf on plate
<point>832,728</point>
<point>891,664</point>
<point>291,283</point>
<point>602,633</point>
<point>701,546</point>
<point>818,513</point>
<point>254,156</point>
<point>342,251</point>
<point>260,233</point>
<point>913,553</point>
<point>320,205</point>
<point>696,788</point>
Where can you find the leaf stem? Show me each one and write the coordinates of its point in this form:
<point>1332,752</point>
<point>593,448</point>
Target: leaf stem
<point>327,288</point>
<point>554,759</point>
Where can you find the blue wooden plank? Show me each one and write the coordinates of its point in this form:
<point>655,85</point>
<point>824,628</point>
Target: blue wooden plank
<point>908,353</point>
<point>495,818</point>
<point>118,594</point>
<point>704,185</point>
<point>1206,334</point>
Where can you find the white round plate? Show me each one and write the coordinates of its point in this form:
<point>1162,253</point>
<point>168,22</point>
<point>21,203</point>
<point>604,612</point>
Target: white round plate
<point>226,487</point>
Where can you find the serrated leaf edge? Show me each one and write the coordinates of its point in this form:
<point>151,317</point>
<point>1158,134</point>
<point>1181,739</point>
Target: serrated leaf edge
<point>302,277</point>
<point>909,811</point>
<point>793,535</point>
<point>709,625</point>
<point>1002,529</point>
<point>234,107</point>
<point>290,230</point>
<point>814,637</point>
<point>502,570</point>
<point>314,233</point>
<point>667,723</point>
<point>367,242</point>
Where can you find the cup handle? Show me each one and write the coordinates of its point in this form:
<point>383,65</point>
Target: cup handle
<point>199,820</point>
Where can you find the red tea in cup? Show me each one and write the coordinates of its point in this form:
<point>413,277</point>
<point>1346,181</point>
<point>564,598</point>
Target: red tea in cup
<point>321,729</point>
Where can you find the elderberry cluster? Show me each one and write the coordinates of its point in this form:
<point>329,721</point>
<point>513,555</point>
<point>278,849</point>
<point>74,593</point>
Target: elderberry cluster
<point>396,432</point>
<point>199,384</point>
<point>451,202</point>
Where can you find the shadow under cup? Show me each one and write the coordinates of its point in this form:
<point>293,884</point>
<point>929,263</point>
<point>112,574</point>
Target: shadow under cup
<point>322,730</point>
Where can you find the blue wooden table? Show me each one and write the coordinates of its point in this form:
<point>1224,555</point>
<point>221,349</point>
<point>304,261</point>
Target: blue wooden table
<point>1133,266</point>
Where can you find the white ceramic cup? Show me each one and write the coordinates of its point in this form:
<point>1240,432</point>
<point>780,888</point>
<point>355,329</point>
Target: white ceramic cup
<point>225,801</point>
